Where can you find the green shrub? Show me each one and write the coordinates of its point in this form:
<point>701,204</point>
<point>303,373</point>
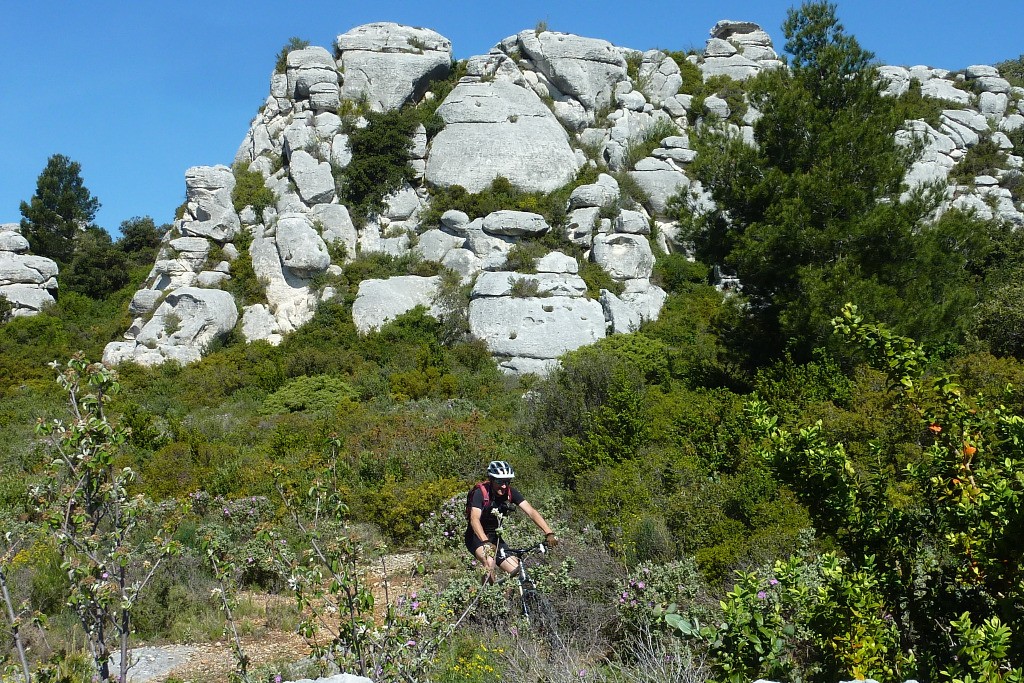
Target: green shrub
<point>313,394</point>
<point>651,139</point>
<point>913,105</point>
<point>250,190</point>
<point>985,158</point>
<point>1013,71</point>
<point>379,165</point>
<point>597,278</point>
<point>522,257</point>
<point>244,284</point>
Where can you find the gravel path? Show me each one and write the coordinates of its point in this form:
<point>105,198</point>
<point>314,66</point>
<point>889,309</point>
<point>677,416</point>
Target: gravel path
<point>149,663</point>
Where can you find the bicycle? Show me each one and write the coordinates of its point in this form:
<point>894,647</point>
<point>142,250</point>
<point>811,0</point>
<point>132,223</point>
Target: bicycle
<point>535,607</point>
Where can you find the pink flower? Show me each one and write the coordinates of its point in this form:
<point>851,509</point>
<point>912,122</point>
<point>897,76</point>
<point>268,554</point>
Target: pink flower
<point>761,595</point>
<point>641,585</point>
<point>773,582</point>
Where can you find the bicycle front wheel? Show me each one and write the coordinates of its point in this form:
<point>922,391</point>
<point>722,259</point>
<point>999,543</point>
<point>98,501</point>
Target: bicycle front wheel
<point>540,614</point>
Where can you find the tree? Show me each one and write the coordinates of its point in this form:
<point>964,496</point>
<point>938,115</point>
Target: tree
<point>140,238</point>
<point>59,209</point>
<point>86,502</point>
<point>813,215</point>
<point>98,267</point>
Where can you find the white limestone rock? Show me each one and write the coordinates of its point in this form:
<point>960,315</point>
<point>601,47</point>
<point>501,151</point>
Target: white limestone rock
<point>380,301</point>
<point>464,262</point>
<point>336,226</point>
<point>632,222</point>
<point>209,208</point>
<point>557,262</point>
<point>623,256</point>
<point>390,64</point>
<point>993,105</point>
<point>180,330</point>
<point>644,298</point>
<point>585,68</point>
<point>308,68</point>
<point>402,204</point>
<point>11,240</point>
<point>312,178</point>
<point>510,223</point>
<point>502,282</point>
<point>144,301</point>
<point>582,225</point>
<point>603,193</point>
<point>301,249</point>
<point>736,67</point>
<point>622,318</point>
<point>456,221</point>
<point>26,269</point>
<point>259,324</point>
<point>434,245</point>
<point>945,90</point>
<point>659,74</point>
<point>498,128</point>
<point>26,299</point>
<point>540,328</point>
<point>660,180</point>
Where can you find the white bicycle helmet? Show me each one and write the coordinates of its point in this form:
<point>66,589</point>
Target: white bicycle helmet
<point>499,469</point>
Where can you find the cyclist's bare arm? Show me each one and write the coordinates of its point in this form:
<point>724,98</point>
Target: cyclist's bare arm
<point>533,514</point>
<point>474,524</point>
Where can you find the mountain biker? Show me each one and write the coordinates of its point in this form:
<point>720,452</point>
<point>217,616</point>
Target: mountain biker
<point>482,528</point>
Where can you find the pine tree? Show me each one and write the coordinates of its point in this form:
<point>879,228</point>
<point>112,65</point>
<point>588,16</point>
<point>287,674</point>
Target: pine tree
<point>61,207</point>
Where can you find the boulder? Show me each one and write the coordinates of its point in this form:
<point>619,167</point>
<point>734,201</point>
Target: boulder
<point>210,210</point>
<point>11,239</point>
<point>434,244</point>
<point>288,293</point>
<point>390,64</point>
<point>622,318</point>
<point>660,180</point>
<point>302,250</point>
<point>380,301</point>
<point>26,299</point>
<point>258,323</point>
<point>499,129</point>
<point>515,224</point>
<point>502,283</point>
<point>585,68</point>
<point>605,192</point>
<point>945,90</point>
<point>308,68</point>
<point>313,179</point>
<point>632,222</point>
<point>623,256</point>
<point>539,328</point>
<point>336,226</point>
<point>660,78</point>
<point>736,67</point>
<point>557,262</point>
<point>180,330</point>
<point>26,269</point>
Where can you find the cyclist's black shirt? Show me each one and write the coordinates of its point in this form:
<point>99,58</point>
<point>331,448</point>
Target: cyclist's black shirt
<point>487,518</point>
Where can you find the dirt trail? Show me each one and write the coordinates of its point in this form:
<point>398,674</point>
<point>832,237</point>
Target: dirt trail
<point>214,662</point>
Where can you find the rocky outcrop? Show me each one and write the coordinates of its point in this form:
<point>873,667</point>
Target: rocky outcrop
<point>27,282</point>
<point>389,64</point>
<point>535,110</point>
<point>181,328</point>
<point>497,128</point>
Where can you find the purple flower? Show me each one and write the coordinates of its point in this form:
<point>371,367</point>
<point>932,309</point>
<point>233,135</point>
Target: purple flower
<point>105,575</point>
<point>583,672</point>
<point>277,678</point>
<point>415,605</point>
<point>625,594</point>
<point>773,582</point>
<point>641,585</point>
<point>761,595</point>
<point>411,643</point>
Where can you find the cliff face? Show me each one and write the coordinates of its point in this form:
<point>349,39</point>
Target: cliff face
<point>535,110</point>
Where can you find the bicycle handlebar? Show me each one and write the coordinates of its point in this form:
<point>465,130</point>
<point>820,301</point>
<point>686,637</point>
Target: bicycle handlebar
<point>522,552</point>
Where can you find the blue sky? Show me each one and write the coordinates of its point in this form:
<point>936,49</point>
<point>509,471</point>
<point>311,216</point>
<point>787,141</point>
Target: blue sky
<point>139,91</point>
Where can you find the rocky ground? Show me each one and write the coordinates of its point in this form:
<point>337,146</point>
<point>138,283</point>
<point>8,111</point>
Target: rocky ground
<point>208,662</point>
